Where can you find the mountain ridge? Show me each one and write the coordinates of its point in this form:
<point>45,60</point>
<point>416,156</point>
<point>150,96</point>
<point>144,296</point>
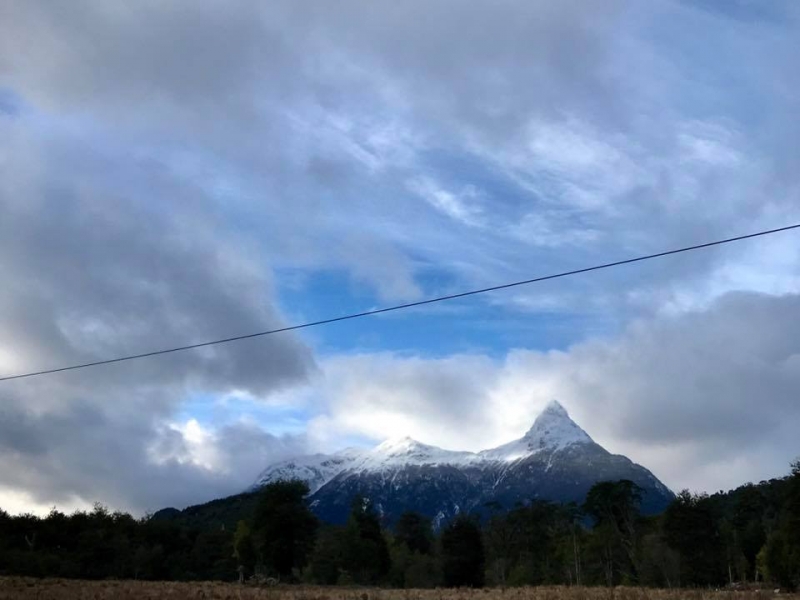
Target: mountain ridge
<point>553,428</point>
<point>555,460</point>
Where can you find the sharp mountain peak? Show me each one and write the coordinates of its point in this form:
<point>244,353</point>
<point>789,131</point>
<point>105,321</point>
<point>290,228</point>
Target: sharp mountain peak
<point>555,460</point>
<point>555,428</point>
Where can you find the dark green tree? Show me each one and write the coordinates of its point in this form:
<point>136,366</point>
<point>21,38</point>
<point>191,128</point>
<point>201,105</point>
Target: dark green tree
<point>614,507</point>
<point>747,528</point>
<point>283,527</point>
<point>365,552</point>
<point>691,529</point>
<point>414,531</point>
<point>463,559</point>
<point>545,527</point>
<point>422,571</point>
<point>502,537</point>
<point>212,556</point>
<point>243,550</point>
<point>781,554</point>
<point>327,560</point>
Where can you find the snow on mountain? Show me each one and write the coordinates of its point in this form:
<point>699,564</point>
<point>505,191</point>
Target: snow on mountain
<point>553,430</point>
<point>400,452</point>
<point>555,461</point>
<point>315,469</point>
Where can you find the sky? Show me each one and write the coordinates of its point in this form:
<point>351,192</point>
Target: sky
<point>173,172</point>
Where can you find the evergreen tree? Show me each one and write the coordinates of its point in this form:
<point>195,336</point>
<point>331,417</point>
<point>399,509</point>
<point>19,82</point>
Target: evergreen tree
<point>283,527</point>
<point>211,556</point>
<point>781,554</point>
<point>414,531</point>
<point>690,528</point>
<point>463,560</point>
<point>614,507</point>
<point>745,531</point>
<point>365,552</point>
<point>243,550</point>
<point>502,535</point>
<point>327,561</point>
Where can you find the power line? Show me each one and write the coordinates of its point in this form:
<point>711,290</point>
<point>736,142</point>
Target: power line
<point>404,306</point>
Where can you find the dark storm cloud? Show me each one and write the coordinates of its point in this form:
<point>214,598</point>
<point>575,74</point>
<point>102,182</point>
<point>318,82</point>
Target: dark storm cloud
<point>88,451</point>
<point>102,258</point>
<point>94,271</point>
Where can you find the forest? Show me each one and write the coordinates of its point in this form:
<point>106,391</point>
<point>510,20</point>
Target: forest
<point>738,538</point>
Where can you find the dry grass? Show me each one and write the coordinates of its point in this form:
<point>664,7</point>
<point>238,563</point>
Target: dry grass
<point>18,588</point>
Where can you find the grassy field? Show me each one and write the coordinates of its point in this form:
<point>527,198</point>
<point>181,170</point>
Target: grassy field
<point>18,588</point>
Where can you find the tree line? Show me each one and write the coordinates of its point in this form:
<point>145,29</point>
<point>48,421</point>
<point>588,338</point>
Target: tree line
<point>747,535</point>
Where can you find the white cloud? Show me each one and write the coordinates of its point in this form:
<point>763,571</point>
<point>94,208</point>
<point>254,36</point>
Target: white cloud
<point>15,501</point>
<point>462,206</point>
<point>706,399</point>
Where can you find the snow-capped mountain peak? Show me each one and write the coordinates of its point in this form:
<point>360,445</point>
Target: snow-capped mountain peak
<point>400,445</point>
<point>402,451</point>
<point>554,409</point>
<point>554,429</point>
<point>315,469</point>
<point>555,460</point>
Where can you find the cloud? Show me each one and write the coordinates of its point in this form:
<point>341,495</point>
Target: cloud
<point>310,135</point>
<point>95,273</point>
<point>707,399</point>
<point>117,57</point>
<point>83,454</point>
<point>96,266</point>
<point>166,167</point>
<point>461,206</point>
<point>382,395</point>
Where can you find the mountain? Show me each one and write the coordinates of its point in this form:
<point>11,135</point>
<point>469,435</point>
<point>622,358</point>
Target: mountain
<point>555,460</point>
<point>315,469</point>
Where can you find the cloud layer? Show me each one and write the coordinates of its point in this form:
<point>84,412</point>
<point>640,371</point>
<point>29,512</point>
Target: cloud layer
<point>706,399</point>
<point>94,272</point>
<point>177,172</point>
